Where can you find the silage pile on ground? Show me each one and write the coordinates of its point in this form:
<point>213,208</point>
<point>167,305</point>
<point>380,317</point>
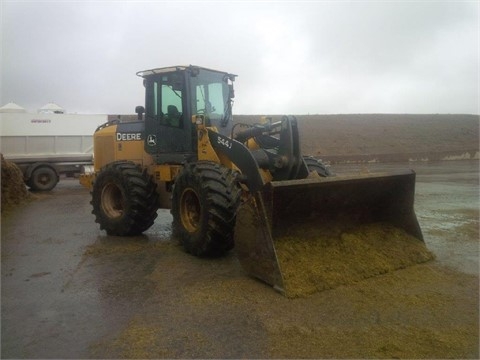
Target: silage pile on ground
<point>319,262</point>
<point>14,190</point>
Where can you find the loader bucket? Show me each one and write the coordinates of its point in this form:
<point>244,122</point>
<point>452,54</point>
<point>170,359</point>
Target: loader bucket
<point>304,236</point>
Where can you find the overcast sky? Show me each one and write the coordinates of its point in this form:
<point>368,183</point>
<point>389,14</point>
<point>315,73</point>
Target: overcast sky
<point>295,57</point>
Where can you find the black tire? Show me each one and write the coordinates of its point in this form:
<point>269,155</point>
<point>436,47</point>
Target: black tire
<point>43,178</point>
<point>316,165</point>
<point>204,206</point>
<point>124,199</point>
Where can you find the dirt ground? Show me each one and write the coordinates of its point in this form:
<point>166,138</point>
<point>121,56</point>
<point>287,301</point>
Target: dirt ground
<point>71,291</point>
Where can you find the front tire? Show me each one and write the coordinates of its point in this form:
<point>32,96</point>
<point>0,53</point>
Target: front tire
<point>204,205</point>
<point>124,199</point>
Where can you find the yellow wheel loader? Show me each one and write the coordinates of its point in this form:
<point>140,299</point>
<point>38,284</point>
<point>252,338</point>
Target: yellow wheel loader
<point>228,184</point>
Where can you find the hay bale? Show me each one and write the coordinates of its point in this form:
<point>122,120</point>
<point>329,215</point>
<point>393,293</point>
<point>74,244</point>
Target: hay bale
<point>321,262</point>
<point>14,190</point>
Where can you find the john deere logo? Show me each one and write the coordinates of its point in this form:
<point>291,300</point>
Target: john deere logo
<point>151,140</point>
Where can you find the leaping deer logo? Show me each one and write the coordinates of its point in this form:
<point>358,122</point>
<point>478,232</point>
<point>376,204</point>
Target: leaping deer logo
<point>151,140</point>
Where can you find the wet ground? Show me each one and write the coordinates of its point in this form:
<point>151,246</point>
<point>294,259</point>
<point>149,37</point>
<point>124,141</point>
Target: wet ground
<point>70,291</point>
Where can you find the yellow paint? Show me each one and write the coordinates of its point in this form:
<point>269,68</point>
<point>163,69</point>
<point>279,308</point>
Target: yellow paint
<point>87,180</point>
<point>266,175</point>
<point>204,147</point>
<point>129,150</point>
<point>164,172</point>
<point>252,144</point>
<point>108,149</point>
<point>103,146</point>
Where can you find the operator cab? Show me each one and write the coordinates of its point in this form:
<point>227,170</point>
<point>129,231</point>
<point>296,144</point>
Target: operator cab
<point>176,95</point>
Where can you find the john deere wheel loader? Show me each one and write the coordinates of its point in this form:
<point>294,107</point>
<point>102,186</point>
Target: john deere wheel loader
<point>228,184</point>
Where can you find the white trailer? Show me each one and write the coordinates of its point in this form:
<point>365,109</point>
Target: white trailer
<point>46,145</point>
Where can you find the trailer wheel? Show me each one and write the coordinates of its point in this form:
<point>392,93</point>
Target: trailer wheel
<point>204,205</point>
<point>316,165</point>
<point>43,178</point>
<point>124,199</point>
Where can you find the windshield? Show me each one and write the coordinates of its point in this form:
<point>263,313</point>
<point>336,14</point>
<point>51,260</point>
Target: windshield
<point>211,96</point>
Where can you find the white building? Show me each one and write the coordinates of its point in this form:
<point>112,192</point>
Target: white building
<point>51,108</point>
<point>11,107</point>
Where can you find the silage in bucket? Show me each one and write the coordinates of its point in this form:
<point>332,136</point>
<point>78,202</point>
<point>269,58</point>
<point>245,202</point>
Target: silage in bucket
<point>303,236</point>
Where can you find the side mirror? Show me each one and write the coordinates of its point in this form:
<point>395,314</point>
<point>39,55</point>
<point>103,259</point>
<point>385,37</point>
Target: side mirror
<point>231,91</point>
<point>140,110</point>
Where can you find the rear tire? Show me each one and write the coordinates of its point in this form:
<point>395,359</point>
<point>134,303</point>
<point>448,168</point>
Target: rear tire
<point>43,178</point>
<point>316,165</point>
<point>204,205</point>
<point>124,199</point>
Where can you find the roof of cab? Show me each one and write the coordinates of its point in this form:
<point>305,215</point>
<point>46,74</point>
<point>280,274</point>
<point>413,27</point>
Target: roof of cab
<point>145,73</point>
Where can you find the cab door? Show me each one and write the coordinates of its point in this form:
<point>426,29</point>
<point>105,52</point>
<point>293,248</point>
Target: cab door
<point>167,129</point>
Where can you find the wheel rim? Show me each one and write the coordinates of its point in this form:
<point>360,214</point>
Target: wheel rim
<point>112,201</point>
<point>44,179</point>
<point>190,210</point>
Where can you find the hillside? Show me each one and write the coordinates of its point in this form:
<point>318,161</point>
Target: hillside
<point>386,137</point>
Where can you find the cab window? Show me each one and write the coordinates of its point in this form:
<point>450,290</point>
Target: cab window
<point>171,106</point>
<point>166,102</point>
<point>210,99</point>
